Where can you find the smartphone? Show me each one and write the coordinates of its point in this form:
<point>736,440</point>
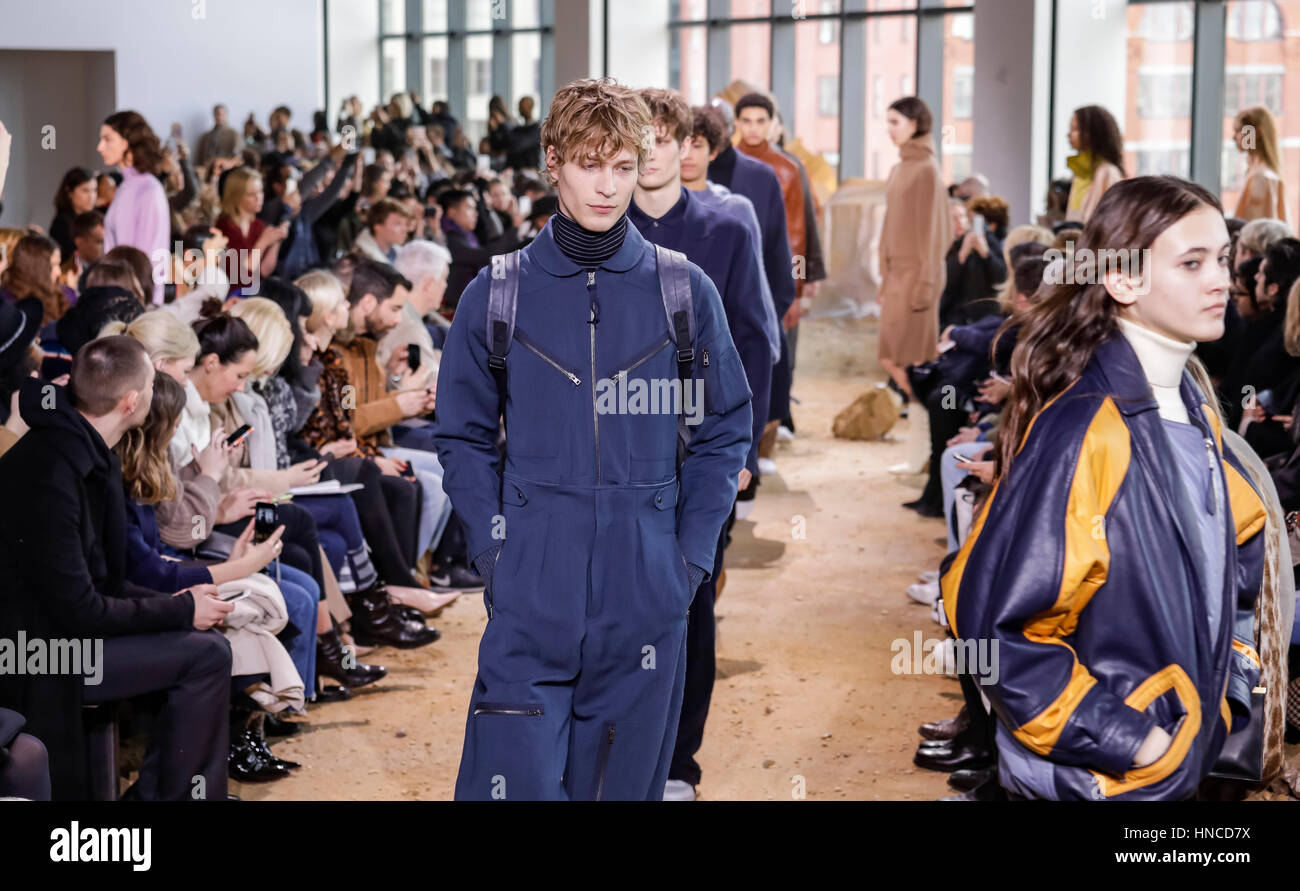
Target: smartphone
<point>978,224</point>
<point>237,595</point>
<point>266,521</point>
<point>238,436</point>
<point>998,377</point>
<point>413,356</point>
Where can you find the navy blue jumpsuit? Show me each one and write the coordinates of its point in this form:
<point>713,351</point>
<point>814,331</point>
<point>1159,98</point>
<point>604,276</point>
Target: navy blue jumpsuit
<point>581,664</point>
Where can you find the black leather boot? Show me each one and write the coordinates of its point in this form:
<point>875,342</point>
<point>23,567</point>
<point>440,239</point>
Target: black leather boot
<point>330,657</point>
<point>376,623</point>
<point>245,763</point>
<point>257,738</point>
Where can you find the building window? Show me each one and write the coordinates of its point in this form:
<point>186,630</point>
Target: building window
<point>877,96</point>
<point>905,85</point>
<point>828,97</point>
<point>1165,94</point>
<point>963,89</point>
<point>1167,22</point>
<point>1156,161</point>
<point>481,81</point>
<point>1243,89</point>
<point>963,26</point>
<point>828,29</point>
<point>1254,20</point>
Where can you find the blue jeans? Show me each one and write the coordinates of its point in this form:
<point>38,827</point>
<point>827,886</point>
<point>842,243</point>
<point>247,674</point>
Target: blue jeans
<point>435,506</point>
<point>302,601</point>
<point>951,475</point>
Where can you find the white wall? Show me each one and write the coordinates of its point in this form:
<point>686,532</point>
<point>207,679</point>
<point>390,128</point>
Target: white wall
<point>639,43</point>
<point>1091,67</point>
<point>175,59</point>
<point>354,53</point>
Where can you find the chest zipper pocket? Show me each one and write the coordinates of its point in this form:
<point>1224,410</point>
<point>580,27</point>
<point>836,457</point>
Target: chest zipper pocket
<point>646,357</point>
<point>533,348</point>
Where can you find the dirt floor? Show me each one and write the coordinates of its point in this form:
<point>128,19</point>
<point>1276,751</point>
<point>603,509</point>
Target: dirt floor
<point>805,702</point>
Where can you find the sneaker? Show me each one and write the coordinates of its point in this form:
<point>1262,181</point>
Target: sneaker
<point>766,466</point>
<point>455,577</point>
<point>930,575</point>
<point>903,469</point>
<point>784,434</point>
<point>924,592</point>
<point>679,790</point>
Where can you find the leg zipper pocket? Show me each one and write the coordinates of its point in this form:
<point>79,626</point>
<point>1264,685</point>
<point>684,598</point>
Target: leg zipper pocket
<point>496,708</point>
<point>602,760</point>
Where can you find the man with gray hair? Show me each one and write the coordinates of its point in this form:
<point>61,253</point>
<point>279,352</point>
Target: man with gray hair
<point>425,264</point>
<point>1257,237</point>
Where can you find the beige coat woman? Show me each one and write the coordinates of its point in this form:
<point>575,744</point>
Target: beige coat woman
<point>913,240</point>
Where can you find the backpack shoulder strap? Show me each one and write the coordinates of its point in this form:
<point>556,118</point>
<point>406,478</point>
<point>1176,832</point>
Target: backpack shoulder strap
<point>502,299</point>
<point>675,288</point>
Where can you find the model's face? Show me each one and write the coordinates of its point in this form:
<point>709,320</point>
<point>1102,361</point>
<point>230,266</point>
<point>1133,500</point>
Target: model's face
<point>254,195</point>
<point>664,163</point>
<point>83,197</point>
<point>754,125</point>
<point>90,247</point>
<point>1074,132</point>
<point>1185,286</point>
<point>695,159</point>
<point>899,127</point>
<point>593,191</point>
<point>112,147</point>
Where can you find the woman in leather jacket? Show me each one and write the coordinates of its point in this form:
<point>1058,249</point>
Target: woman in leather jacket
<point>1114,569</point>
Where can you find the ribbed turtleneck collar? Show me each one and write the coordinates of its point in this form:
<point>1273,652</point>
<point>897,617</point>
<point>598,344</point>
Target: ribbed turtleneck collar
<point>586,248</point>
<point>918,148</point>
<point>1163,360</point>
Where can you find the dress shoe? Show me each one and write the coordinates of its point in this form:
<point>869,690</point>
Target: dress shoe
<point>330,662</point>
<point>989,790</point>
<point>455,577</point>
<point>965,780</point>
<point>947,728</point>
<point>330,693</point>
<point>960,754</point>
<point>923,509</point>
<point>375,622</point>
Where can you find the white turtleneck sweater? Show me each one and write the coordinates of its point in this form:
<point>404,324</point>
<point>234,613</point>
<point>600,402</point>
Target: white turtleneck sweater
<point>1163,360</point>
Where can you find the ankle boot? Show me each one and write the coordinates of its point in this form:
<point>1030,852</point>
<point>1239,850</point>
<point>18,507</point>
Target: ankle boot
<point>375,622</point>
<point>244,762</point>
<point>330,657</point>
<point>257,739</point>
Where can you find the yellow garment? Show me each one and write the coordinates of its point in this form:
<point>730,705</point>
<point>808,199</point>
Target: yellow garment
<point>1081,165</point>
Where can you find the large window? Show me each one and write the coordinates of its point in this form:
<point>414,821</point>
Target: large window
<point>839,65</point>
<point>1157,124</point>
<point>465,33</point>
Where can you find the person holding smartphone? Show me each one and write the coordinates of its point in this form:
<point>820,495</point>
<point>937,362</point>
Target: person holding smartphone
<point>975,269</point>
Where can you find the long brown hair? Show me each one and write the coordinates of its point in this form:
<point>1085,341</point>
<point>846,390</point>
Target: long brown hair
<point>1100,135</point>
<point>28,275</point>
<point>143,450</point>
<point>1265,144</point>
<point>1060,332</point>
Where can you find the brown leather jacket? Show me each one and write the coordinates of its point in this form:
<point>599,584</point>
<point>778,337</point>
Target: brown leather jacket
<point>791,192</point>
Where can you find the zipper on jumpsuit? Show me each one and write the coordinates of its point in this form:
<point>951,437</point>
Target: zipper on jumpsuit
<point>644,359</point>
<point>602,763</point>
<point>592,320</point>
<point>507,710</point>
<point>522,338</point>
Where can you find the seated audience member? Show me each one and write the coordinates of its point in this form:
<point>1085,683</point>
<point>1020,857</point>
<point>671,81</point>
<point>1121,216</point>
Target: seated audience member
<point>257,244</point>
<point>388,225</point>
<point>75,196</point>
<point>34,271</point>
<point>88,247</point>
<point>97,306</point>
<point>426,265</point>
<point>975,267</point>
<point>20,358</point>
<point>468,256</point>
<point>64,569</point>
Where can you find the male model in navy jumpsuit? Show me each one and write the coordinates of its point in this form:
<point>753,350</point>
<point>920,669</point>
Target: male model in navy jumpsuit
<point>591,541</point>
<point>667,214</point>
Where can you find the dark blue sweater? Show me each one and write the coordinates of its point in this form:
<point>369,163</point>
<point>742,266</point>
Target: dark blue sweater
<point>144,563</point>
<point>720,245</point>
<point>756,181</point>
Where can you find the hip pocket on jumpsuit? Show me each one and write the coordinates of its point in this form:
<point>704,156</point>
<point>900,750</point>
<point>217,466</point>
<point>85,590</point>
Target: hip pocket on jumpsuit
<point>512,499</point>
<point>665,501</point>
<point>1170,697</point>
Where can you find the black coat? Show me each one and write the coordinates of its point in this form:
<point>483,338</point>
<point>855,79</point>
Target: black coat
<point>467,260</point>
<point>971,290</point>
<point>62,555</point>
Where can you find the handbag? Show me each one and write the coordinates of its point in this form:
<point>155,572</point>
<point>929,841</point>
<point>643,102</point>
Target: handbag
<point>1242,756</point>
<point>923,377</point>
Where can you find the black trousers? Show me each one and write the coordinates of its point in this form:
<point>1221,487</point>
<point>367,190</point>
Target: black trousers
<point>701,669</point>
<point>946,422</point>
<point>190,739</point>
<point>389,511</point>
<point>782,377</point>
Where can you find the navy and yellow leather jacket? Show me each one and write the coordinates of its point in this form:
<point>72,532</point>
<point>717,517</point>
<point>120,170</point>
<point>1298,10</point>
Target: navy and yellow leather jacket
<point>1082,566</point>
